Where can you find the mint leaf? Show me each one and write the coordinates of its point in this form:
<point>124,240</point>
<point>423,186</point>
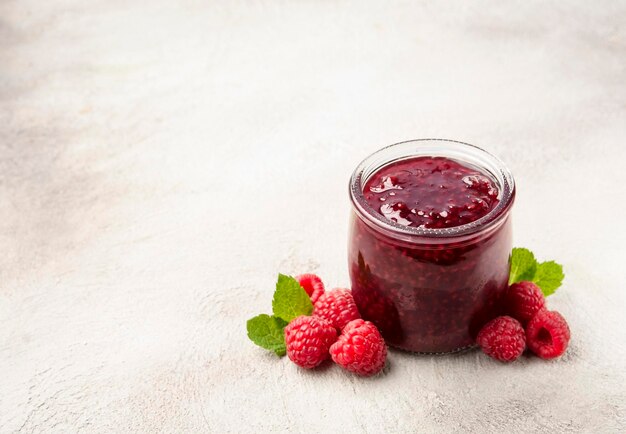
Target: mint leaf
<point>523,265</point>
<point>290,299</point>
<point>267,332</point>
<point>548,277</point>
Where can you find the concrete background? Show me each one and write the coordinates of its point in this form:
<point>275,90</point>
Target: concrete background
<point>161,162</point>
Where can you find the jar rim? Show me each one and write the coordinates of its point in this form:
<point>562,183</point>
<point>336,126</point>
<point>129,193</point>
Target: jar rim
<point>453,149</point>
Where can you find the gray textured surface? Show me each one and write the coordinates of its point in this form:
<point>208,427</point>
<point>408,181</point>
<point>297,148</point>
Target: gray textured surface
<point>161,161</point>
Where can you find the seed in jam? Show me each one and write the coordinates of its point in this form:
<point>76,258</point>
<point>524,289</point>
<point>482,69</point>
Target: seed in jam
<point>431,192</point>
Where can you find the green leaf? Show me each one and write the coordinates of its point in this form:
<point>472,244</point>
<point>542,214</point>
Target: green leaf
<point>290,299</point>
<point>523,265</point>
<point>267,332</point>
<point>549,276</point>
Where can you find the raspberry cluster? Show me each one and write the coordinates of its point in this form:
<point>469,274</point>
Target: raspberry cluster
<point>335,330</point>
<point>529,324</point>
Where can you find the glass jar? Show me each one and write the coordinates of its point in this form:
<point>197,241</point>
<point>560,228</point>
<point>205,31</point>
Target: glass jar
<point>430,290</point>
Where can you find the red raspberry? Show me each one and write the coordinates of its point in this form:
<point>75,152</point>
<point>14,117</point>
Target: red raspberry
<point>337,307</point>
<point>308,340</point>
<point>524,300</point>
<point>502,338</point>
<point>360,348</point>
<point>312,285</point>
<point>547,334</point>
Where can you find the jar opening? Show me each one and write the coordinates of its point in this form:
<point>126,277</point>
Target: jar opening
<point>452,149</point>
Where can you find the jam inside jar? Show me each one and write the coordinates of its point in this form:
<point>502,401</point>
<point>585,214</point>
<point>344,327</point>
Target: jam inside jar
<point>430,242</point>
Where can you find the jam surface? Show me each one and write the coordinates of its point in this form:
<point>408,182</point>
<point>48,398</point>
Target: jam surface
<point>429,296</point>
<point>431,192</point>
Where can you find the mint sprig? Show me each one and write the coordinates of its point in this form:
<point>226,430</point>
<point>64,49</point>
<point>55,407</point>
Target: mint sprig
<point>289,302</point>
<point>546,275</point>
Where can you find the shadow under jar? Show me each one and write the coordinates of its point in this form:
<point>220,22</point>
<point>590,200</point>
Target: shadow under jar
<point>430,242</point>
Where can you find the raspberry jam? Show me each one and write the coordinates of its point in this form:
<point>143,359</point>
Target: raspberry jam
<point>431,192</point>
<point>430,239</point>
